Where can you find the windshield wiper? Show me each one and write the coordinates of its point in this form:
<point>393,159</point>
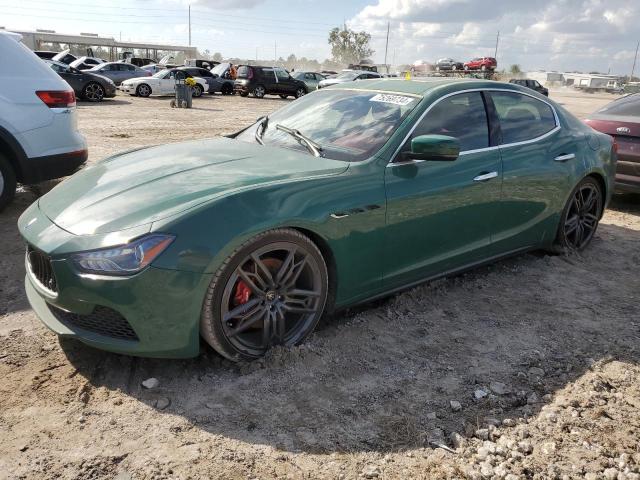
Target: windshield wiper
<point>311,145</point>
<point>264,122</point>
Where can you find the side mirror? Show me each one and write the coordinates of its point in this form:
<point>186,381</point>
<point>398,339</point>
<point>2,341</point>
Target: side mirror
<point>434,148</point>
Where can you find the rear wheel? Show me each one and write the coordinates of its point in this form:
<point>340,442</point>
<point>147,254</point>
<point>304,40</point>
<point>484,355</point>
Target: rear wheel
<point>143,90</point>
<point>93,92</point>
<point>7,182</point>
<point>300,92</point>
<point>197,90</point>
<point>271,291</point>
<point>259,91</point>
<point>580,216</point>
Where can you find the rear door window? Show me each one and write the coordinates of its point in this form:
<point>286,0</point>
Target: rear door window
<point>522,117</point>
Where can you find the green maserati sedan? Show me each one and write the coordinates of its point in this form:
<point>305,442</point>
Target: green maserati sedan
<point>347,194</point>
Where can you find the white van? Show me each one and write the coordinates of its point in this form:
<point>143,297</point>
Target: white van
<point>39,138</point>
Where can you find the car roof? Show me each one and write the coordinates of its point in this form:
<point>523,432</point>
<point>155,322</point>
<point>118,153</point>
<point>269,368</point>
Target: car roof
<point>421,86</point>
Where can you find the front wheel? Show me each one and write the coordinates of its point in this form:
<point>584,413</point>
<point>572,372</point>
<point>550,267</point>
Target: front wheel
<point>580,216</point>
<point>271,291</point>
<point>300,92</point>
<point>7,182</point>
<point>197,90</point>
<point>143,90</point>
<point>93,92</point>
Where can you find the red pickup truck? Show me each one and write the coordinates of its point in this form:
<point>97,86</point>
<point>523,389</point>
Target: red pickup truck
<point>481,63</point>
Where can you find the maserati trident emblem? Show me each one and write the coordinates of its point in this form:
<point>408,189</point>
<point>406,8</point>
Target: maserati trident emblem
<point>623,130</point>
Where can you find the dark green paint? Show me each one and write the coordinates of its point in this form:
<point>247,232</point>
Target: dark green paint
<point>215,194</point>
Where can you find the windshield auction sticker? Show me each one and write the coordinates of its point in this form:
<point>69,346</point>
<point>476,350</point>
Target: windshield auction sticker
<point>395,99</point>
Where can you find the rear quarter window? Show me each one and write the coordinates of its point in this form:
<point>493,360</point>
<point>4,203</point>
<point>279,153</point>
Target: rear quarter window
<point>522,117</point>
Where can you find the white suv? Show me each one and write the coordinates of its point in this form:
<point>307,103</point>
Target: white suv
<point>39,138</point>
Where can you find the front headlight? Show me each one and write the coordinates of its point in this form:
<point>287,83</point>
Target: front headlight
<point>125,259</point>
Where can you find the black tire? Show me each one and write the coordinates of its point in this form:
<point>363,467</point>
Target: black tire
<point>143,90</point>
<point>93,92</point>
<point>580,217</point>
<point>244,94</point>
<point>259,91</point>
<point>301,92</point>
<point>279,253</point>
<point>7,182</point>
<point>198,90</point>
<point>226,89</point>
<point>284,96</point>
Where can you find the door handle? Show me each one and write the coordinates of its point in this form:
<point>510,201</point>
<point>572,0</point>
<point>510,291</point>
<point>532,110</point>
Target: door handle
<point>564,157</point>
<point>485,176</point>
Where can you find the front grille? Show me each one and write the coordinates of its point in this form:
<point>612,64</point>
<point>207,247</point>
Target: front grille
<point>102,320</point>
<point>40,267</point>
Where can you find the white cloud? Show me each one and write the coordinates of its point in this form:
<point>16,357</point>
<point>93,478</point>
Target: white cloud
<point>545,34</point>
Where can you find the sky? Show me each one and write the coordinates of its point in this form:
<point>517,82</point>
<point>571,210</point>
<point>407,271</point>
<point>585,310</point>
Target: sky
<point>563,35</point>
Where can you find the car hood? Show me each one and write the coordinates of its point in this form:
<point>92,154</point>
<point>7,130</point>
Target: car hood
<point>150,184</point>
<point>334,81</point>
<point>134,80</point>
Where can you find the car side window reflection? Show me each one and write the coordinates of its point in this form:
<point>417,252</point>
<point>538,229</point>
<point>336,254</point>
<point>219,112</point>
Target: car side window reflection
<point>522,117</point>
<point>462,116</point>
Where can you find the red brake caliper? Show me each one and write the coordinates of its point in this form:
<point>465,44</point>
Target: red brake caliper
<point>242,293</point>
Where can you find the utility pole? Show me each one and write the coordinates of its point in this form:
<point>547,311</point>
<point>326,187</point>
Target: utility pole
<point>495,55</point>
<point>633,69</point>
<point>386,47</point>
<point>189,24</point>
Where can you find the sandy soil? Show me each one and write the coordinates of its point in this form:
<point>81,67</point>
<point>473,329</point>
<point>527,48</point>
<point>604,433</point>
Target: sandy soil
<point>542,353</point>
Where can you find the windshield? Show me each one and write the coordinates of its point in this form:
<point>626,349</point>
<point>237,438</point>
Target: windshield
<point>220,69</point>
<point>347,125</point>
<point>348,75</point>
<point>626,106</point>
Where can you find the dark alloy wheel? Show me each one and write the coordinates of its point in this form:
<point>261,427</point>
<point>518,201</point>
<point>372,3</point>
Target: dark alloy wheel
<point>581,216</point>
<point>197,90</point>
<point>271,291</point>
<point>300,92</point>
<point>259,91</point>
<point>143,90</point>
<point>7,182</point>
<point>93,92</point>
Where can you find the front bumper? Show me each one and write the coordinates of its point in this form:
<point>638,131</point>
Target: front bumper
<point>162,307</point>
<point>130,89</point>
<point>110,91</point>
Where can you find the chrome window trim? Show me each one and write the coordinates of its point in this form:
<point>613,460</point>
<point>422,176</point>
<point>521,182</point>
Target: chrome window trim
<point>485,149</point>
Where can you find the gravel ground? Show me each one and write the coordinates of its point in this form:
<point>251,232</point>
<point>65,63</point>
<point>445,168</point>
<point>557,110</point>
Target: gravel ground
<point>525,369</point>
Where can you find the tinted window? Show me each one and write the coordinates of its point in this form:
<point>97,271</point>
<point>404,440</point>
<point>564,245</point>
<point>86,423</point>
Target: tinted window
<point>522,117</point>
<point>461,116</point>
<point>625,106</point>
<point>282,75</point>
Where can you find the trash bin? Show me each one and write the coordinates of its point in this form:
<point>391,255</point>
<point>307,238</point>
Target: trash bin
<point>183,92</point>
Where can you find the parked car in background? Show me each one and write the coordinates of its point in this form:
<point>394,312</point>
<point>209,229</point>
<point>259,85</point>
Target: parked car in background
<point>261,81</point>
<point>154,68</point>
<point>64,57</point>
<point>310,79</point>
<point>222,82</point>
<point>449,64</point>
<point>348,76</point>
<point>213,85</point>
<point>39,138</point>
<point>532,84</point>
<point>86,63</point>
<point>45,54</point>
<point>86,85</point>
<point>621,120</point>
<point>352,193</point>
<point>196,62</point>
<point>118,71</point>
<point>481,63</point>
<point>162,83</point>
